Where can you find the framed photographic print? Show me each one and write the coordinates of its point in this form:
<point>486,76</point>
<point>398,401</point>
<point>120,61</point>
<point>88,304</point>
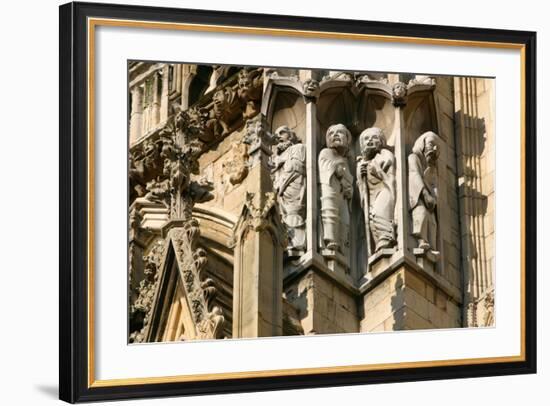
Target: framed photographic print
<point>256,202</point>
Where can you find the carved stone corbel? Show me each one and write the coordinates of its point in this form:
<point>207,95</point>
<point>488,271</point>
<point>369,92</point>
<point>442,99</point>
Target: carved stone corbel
<point>236,166</point>
<point>399,94</point>
<point>311,90</point>
<point>249,91</point>
<point>258,139</point>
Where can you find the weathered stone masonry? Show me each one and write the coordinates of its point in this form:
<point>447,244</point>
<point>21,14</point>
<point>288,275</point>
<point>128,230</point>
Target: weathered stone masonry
<point>267,202</point>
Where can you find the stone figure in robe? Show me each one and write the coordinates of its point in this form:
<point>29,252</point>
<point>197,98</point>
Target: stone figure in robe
<point>289,182</point>
<point>336,184</point>
<point>376,184</point>
<point>423,190</point>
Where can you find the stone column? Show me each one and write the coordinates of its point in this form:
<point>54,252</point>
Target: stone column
<point>155,108</point>
<point>186,78</point>
<point>165,92</point>
<point>136,113</point>
<point>474,130</point>
<point>259,239</point>
<point>402,203</point>
<point>312,209</point>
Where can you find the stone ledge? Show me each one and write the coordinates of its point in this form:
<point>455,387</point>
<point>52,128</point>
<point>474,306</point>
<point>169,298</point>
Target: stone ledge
<point>310,261</point>
<point>437,280</point>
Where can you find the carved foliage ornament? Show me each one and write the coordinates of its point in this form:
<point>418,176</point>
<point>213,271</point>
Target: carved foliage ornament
<point>260,213</point>
<point>180,151</point>
<point>200,291</point>
<point>140,310</point>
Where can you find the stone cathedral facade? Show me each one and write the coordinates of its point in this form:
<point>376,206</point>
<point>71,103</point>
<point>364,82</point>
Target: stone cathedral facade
<point>269,202</point>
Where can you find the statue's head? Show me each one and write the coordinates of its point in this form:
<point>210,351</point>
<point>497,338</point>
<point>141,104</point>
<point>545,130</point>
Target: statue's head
<point>399,90</point>
<point>285,137</point>
<point>311,88</point>
<point>428,145</point>
<point>399,93</point>
<point>220,100</point>
<point>371,141</point>
<point>338,137</point>
<point>243,81</point>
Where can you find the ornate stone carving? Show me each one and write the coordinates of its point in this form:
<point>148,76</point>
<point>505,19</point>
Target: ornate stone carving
<point>158,191</point>
<point>225,114</point>
<point>180,152</point>
<point>362,79</point>
<point>311,89</point>
<point>191,124</point>
<point>144,164</point>
<point>200,291</point>
<point>376,184</point>
<point>336,186</point>
<point>338,75</point>
<point>258,139</point>
<point>489,310</point>
<point>236,167</point>
<point>140,309</point>
<point>423,185</point>
<point>399,94</point>
<point>181,147</point>
<point>280,73</point>
<point>423,80</point>
<point>256,217</point>
<point>218,76</point>
<point>289,183</point>
<point>211,326</point>
<point>249,90</point>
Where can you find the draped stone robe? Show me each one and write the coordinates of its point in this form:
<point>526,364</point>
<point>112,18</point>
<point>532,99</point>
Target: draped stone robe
<point>290,185</point>
<point>380,181</point>
<point>336,193</point>
<point>422,178</point>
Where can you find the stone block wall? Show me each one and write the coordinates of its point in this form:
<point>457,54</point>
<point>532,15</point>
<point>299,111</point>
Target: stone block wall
<point>408,301</point>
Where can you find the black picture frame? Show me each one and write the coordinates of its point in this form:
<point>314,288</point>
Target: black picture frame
<point>74,382</point>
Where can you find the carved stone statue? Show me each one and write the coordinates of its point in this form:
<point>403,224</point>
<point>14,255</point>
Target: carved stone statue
<point>423,190</point>
<point>289,183</point>
<point>225,113</point>
<point>376,184</point>
<point>399,94</point>
<point>311,89</point>
<point>144,164</point>
<point>336,185</point>
<point>249,91</point>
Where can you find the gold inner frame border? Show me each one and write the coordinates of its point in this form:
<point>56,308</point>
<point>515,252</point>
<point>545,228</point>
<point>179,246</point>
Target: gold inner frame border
<point>94,22</point>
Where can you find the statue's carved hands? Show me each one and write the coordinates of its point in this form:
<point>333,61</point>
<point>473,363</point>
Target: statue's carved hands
<point>340,171</point>
<point>347,192</point>
<point>275,163</point>
<point>347,188</point>
<point>363,168</point>
<point>376,170</point>
<point>429,201</point>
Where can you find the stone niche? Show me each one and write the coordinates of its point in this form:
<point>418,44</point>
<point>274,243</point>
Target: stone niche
<point>270,202</point>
